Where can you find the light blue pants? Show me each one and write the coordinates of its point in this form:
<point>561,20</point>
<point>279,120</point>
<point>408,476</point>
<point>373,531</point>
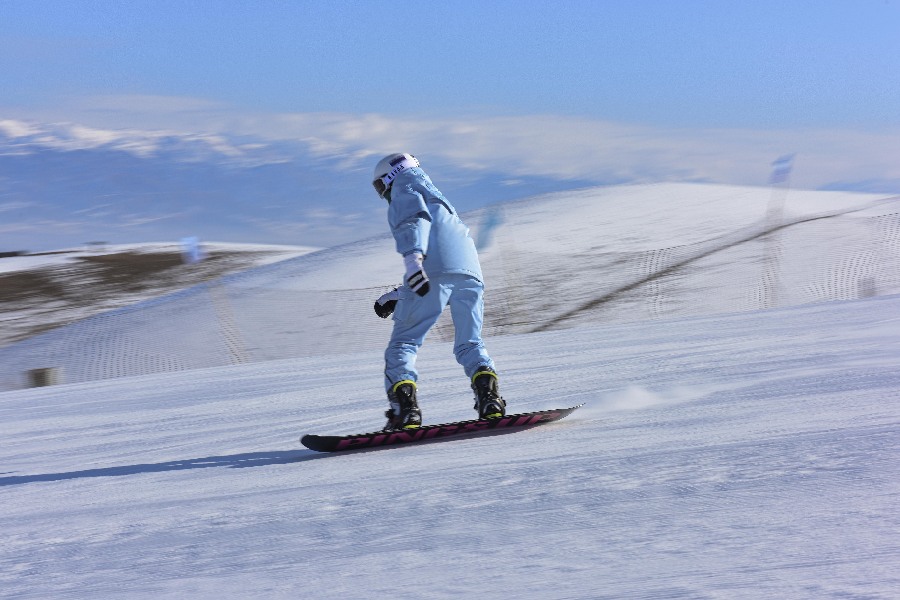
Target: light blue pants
<point>415,315</point>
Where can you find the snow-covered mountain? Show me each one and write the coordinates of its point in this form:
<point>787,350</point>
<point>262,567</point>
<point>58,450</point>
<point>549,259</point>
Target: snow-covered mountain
<point>63,185</point>
<point>27,138</point>
<point>596,256</point>
<point>736,349</point>
<point>737,455</point>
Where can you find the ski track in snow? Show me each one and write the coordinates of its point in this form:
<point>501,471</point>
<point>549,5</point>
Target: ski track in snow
<point>750,456</point>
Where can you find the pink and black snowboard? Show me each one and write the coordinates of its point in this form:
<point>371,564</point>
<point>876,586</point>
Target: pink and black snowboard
<point>426,433</point>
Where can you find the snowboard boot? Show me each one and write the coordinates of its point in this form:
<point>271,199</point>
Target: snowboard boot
<point>404,412</point>
<point>488,402</point>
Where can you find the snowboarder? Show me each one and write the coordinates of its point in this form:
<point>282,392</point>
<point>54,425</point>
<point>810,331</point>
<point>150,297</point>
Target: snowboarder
<point>442,269</point>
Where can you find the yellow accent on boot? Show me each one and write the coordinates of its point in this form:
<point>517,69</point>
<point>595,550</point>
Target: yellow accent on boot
<point>399,383</point>
<point>480,373</point>
<point>411,426</point>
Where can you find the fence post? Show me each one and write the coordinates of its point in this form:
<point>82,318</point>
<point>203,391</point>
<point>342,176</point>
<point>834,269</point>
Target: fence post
<point>43,377</point>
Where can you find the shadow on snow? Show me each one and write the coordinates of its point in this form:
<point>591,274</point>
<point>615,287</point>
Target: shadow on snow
<point>234,461</point>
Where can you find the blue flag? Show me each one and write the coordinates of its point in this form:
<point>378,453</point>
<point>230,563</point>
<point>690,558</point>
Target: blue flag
<point>781,169</point>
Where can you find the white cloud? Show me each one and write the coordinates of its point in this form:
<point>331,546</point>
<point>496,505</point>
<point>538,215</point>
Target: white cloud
<point>563,147</point>
<point>581,148</point>
<point>16,129</point>
<point>11,206</point>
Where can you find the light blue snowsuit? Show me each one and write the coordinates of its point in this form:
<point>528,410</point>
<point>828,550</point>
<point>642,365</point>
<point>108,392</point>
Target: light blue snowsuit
<point>423,221</point>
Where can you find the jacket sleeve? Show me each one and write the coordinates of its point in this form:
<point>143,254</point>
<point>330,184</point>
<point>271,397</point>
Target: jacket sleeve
<point>410,221</point>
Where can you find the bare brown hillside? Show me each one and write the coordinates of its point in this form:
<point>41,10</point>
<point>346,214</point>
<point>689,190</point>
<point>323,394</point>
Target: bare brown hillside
<point>82,285</point>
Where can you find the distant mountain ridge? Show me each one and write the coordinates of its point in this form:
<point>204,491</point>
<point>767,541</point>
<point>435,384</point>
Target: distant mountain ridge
<point>64,184</point>
<point>20,137</point>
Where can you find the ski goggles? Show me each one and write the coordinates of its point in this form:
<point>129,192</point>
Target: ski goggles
<point>380,187</point>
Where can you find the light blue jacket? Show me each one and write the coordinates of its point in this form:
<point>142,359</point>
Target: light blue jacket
<point>423,221</point>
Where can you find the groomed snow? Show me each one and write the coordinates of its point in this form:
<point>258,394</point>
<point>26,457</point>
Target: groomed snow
<point>736,456</point>
<point>754,455</point>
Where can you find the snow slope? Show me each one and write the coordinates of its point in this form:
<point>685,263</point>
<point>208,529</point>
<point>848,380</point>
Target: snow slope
<point>597,256</point>
<point>752,455</point>
<point>739,455</point>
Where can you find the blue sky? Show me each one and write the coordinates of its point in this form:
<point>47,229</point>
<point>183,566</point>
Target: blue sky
<point>764,76</point>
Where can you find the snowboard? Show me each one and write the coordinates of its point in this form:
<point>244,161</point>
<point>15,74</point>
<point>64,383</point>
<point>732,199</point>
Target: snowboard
<point>430,433</point>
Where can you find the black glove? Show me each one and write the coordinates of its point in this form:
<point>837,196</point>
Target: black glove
<point>416,279</point>
<point>384,306</point>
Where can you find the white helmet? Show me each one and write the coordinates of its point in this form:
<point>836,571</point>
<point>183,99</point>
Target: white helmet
<point>388,168</point>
